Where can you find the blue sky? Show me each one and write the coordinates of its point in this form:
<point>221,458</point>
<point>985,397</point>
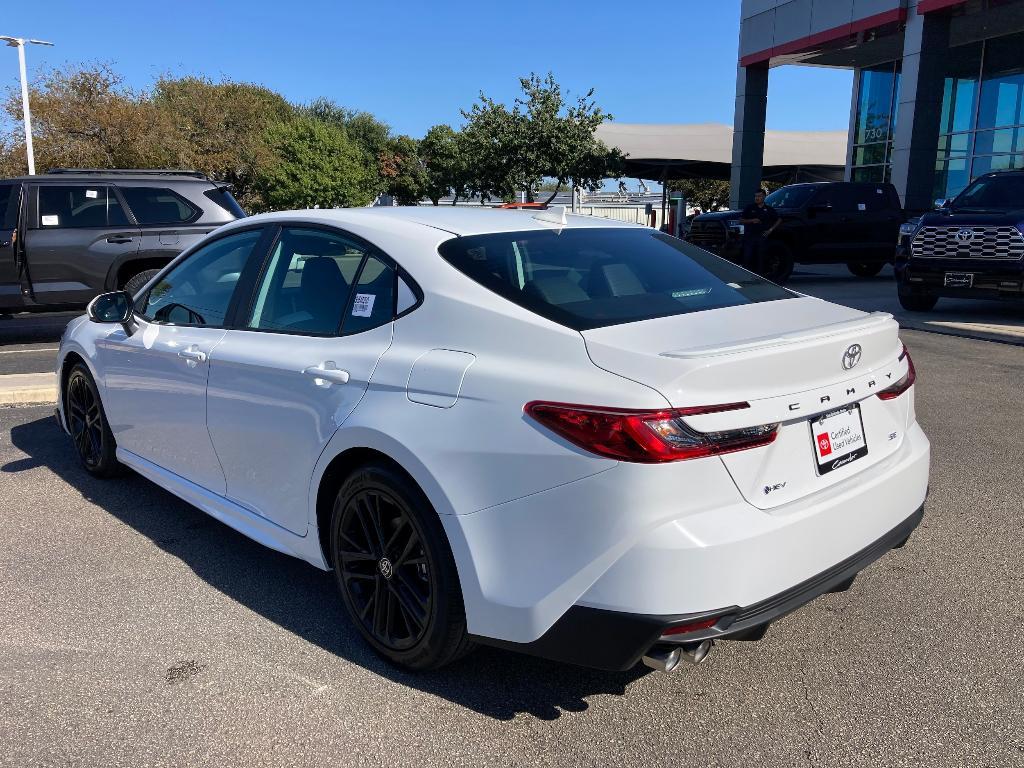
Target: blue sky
<point>414,64</point>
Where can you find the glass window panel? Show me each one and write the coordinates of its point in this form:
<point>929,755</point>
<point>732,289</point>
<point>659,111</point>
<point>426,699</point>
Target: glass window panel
<point>1002,90</point>
<point>951,175</point>
<point>1006,141</point>
<point>373,302</point>
<point>870,154</point>
<point>875,104</point>
<point>986,163</point>
<point>305,288</point>
<point>871,173</point>
<point>198,291</point>
<point>960,88</point>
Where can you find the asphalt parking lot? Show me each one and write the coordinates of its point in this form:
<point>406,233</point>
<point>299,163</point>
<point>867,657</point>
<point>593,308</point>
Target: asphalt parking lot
<point>138,631</point>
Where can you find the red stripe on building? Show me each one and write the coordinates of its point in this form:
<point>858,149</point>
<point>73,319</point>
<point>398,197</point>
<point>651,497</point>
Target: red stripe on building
<point>829,35</point>
<point>927,6</point>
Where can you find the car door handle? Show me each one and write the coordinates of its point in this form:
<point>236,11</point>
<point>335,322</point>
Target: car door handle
<point>119,239</point>
<point>193,355</point>
<point>327,371</point>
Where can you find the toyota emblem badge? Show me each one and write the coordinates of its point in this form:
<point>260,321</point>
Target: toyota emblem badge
<point>852,356</point>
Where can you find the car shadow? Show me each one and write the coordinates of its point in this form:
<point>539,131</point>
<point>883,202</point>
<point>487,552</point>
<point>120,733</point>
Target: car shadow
<point>303,600</point>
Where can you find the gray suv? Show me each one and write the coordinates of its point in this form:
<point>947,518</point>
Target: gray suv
<point>68,235</point>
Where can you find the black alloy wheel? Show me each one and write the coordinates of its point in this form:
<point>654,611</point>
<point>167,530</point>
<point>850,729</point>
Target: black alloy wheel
<point>87,424</point>
<point>395,570</point>
<point>384,569</point>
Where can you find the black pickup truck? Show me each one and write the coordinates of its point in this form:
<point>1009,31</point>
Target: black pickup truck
<point>850,223</point>
<point>971,247</point>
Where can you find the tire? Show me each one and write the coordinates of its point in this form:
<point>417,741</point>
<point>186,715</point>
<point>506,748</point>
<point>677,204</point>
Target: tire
<point>87,422</point>
<point>134,283</point>
<point>865,268</point>
<point>778,262</point>
<point>917,302</point>
<point>395,570</point>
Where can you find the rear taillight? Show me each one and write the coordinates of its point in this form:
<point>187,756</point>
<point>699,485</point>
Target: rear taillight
<point>905,382</point>
<point>647,436</point>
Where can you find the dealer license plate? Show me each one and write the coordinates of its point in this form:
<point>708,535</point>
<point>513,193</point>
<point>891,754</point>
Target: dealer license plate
<point>959,280</point>
<point>838,438</point>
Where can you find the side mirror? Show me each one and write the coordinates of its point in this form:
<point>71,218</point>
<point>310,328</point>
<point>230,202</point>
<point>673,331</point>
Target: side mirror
<point>941,204</point>
<point>113,307</point>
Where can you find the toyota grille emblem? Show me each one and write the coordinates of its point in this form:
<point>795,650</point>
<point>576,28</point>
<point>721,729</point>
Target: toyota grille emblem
<point>965,235</point>
<point>852,356</point>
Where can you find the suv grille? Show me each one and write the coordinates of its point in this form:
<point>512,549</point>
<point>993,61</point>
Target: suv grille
<point>707,234</point>
<point>980,243</point>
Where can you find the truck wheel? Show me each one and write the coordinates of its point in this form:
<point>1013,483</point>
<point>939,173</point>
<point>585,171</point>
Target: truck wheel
<point>917,302</point>
<point>135,282</point>
<point>778,262</point>
<point>865,268</point>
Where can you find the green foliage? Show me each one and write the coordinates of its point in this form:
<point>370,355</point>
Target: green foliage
<point>275,154</point>
<point>444,160</point>
<point>318,166</point>
<point>706,194</point>
<point>402,170</point>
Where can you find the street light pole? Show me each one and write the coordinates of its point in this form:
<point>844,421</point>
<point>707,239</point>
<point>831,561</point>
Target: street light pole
<point>19,43</point>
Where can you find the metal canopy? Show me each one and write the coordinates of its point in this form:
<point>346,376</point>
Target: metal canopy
<point>659,152</point>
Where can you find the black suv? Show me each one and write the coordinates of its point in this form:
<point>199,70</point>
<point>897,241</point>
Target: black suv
<point>850,223</point>
<point>68,235</point>
<point>971,247</point>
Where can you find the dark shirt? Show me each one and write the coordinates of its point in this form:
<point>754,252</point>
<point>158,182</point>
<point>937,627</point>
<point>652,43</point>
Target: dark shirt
<point>767,215</point>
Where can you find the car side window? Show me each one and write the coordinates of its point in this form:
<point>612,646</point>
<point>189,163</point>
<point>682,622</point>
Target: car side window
<point>306,284</point>
<point>158,205</point>
<point>71,206</point>
<point>9,199</point>
<point>198,291</point>
<point>373,300</point>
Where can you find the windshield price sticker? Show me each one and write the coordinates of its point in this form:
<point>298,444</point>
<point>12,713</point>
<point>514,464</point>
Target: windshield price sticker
<point>838,439</point>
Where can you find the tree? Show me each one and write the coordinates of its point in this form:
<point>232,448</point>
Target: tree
<point>706,194</point>
<point>318,165</point>
<point>495,152</point>
<point>402,170</point>
<point>87,118</point>
<point>221,129</point>
<point>443,156</point>
<point>559,138</point>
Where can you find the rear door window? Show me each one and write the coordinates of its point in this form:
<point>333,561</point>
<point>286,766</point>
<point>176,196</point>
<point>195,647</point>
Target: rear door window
<point>306,284</point>
<point>73,206</point>
<point>590,278</point>
<point>158,205</point>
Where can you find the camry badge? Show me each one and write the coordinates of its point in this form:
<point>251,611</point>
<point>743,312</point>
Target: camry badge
<point>852,356</point>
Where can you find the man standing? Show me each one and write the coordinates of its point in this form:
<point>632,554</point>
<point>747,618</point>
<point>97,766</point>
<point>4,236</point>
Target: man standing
<point>759,221</point>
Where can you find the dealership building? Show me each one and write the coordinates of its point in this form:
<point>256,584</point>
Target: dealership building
<point>938,95</point>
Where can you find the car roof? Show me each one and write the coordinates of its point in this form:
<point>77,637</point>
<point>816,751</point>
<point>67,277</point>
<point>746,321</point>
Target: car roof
<point>456,220</point>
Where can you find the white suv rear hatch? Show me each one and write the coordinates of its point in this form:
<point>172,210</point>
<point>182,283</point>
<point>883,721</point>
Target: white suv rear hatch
<point>792,361</point>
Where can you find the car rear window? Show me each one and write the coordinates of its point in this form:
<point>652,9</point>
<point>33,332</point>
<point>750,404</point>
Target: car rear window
<point>590,278</point>
<point>159,205</point>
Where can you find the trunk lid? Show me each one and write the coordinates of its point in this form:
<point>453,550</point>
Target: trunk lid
<point>786,359</point>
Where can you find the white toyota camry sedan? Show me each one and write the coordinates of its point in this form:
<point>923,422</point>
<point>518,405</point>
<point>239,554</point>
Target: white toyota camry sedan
<point>563,435</point>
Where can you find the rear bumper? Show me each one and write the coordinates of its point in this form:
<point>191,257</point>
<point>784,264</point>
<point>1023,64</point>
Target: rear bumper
<point>614,640</point>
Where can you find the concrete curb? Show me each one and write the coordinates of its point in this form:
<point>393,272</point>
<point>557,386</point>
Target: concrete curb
<point>28,388</point>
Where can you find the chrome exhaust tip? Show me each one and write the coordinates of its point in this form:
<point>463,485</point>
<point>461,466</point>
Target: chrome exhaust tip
<point>663,659</point>
<point>696,651</point>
